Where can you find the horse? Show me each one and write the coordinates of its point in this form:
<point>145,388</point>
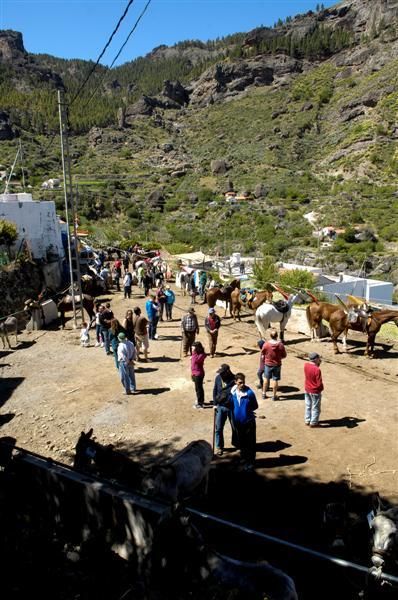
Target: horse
<point>224,294</point>
<point>269,313</point>
<point>182,280</point>
<point>65,304</point>
<point>366,323</point>
<point>182,475</point>
<point>316,313</point>
<point>8,326</point>
<point>92,457</point>
<point>250,298</point>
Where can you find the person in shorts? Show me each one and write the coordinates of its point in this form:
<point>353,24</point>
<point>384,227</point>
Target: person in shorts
<point>273,352</point>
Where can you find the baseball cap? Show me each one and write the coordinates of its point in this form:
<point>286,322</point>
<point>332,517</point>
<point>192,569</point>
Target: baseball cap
<point>212,310</point>
<point>121,336</point>
<point>313,355</point>
<point>223,368</point>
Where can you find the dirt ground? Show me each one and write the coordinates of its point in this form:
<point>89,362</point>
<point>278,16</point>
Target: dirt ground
<point>52,389</point>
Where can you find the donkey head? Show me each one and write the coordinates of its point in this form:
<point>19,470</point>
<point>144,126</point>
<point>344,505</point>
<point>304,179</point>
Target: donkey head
<point>385,534</point>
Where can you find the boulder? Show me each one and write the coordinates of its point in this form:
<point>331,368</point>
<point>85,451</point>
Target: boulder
<point>175,91</point>
<point>260,191</point>
<point>6,131</point>
<point>219,167</point>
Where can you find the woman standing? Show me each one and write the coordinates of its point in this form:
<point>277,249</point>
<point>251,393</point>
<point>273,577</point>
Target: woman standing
<point>128,326</point>
<point>127,282</point>
<point>114,331</point>
<point>198,373</point>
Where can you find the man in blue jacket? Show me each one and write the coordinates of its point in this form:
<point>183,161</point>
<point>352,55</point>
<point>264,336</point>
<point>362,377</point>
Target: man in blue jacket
<point>244,403</point>
<point>152,311</point>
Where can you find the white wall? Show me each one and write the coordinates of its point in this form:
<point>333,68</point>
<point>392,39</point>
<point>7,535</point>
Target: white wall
<point>370,289</point>
<point>37,222</point>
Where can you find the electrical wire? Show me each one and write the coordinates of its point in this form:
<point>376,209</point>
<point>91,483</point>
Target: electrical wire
<point>79,91</point>
<point>120,51</point>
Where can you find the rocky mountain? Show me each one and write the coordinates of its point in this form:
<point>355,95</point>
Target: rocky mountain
<point>299,117</point>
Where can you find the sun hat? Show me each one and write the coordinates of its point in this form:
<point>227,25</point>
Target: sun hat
<point>313,355</point>
<point>121,336</point>
<point>223,368</point>
<point>212,310</point>
<point>191,309</point>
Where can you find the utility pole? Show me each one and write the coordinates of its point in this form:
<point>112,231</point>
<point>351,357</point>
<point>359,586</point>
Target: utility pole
<point>73,254</point>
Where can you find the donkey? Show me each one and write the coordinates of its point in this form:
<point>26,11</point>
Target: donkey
<point>181,476</point>
<point>94,458</point>
<point>384,525</point>
<point>9,325</point>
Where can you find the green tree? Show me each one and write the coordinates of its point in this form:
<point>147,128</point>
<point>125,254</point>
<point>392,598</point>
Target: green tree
<point>8,234</point>
<point>297,278</point>
<point>265,272</point>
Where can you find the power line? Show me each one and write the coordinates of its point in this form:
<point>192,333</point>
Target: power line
<point>120,51</point>
<point>79,91</point>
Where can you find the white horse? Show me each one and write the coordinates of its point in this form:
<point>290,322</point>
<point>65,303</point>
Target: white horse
<point>268,313</point>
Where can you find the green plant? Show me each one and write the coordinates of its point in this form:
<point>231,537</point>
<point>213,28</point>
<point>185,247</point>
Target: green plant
<point>265,271</point>
<point>297,278</point>
<point>8,234</point>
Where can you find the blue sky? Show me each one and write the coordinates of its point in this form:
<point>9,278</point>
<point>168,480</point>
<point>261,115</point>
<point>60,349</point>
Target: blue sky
<point>81,28</point>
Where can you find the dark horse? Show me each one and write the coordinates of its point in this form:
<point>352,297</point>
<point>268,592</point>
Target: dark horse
<point>65,304</point>
<point>223,293</point>
<point>92,457</point>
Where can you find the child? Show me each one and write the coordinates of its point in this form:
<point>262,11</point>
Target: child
<point>84,335</point>
<point>260,372</point>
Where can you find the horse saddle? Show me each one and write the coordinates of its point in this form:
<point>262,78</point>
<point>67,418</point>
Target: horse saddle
<point>281,306</point>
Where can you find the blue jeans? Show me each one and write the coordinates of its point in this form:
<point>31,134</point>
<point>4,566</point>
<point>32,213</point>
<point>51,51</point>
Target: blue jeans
<point>127,376</point>
<point>105,337</point>
<point>153,323</point>
<point>222,413</point>
<point>312,407</point>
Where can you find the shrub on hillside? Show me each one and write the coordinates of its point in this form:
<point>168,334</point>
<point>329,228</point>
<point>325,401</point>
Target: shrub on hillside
<point>265,271</point>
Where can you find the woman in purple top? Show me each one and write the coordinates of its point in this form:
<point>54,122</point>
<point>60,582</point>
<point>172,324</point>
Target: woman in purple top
<point>198,373</point>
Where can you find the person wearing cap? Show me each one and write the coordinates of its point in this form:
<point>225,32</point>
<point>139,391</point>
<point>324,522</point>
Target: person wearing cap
<point>212,325</point>
<point>198,373</point>
<point>273,353</point>
<point>313,387</point>
<point>189,329</point>
<point>223,384</point>
<point>126,354</point>
<point>170,299</point>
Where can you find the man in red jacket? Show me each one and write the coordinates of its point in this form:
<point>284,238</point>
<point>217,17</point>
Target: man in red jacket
<point>272,352</point>
<point>313,387</point>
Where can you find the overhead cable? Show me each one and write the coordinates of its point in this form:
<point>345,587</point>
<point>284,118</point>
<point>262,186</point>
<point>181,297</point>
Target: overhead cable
<point>79,91</point>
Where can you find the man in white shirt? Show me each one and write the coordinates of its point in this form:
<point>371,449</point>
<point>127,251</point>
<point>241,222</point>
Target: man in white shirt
<point>126,354</point>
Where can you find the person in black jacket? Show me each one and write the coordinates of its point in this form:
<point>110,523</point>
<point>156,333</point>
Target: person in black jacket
<point>223,383</point>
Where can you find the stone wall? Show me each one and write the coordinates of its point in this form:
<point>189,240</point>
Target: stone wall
<point>17,284</point>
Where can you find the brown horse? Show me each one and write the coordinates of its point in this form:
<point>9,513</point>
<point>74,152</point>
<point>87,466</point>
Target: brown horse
<point>316,312</point>
<point>339,323</point>
<point>224,294</point>
<point>65,305</point>
<point>250,298</point>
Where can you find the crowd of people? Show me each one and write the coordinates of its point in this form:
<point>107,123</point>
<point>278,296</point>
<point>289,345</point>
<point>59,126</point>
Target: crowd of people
<point>128,341</point>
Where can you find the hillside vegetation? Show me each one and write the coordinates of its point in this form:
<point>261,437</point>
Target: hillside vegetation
<point>298,118</point>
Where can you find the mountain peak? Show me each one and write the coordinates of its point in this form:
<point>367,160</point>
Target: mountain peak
<point>11,46</point>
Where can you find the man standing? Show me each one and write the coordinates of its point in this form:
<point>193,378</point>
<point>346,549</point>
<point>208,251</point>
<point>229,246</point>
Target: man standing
<point>313,387</point>
<point>223,383</point>
<point>212,325</point>
<point>105,318</point>
<point>273,352</point>
<point>189,329</point>
<point>140,324</point>
<point>244,403</point>
<point>152,311</point>
<point>126,355</point>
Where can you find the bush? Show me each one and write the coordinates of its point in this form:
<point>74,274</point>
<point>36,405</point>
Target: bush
<point>265,272</point>
<point>298,279</point>
<point>178,248</point>
<point>8,234</point>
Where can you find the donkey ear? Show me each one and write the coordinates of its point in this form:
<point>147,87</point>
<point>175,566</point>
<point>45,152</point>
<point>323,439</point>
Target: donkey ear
<point>90,433</point>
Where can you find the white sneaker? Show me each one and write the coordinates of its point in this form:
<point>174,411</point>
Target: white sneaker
<point>97,344</point>
<point>102,344</point>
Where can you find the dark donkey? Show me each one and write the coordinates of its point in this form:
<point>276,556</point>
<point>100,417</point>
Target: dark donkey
<point>65,304</point>
<point>104,461</point>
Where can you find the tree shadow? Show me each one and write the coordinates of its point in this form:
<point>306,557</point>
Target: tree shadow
<point>349,422</point>
<point>154,391</point>
<point>6,418</point>
<point>8,385</point>
<point>272,446</point>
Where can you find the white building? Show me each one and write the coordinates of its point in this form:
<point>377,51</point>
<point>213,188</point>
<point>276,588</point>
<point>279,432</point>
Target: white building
<point>39,226</point>
<point>372,290</point>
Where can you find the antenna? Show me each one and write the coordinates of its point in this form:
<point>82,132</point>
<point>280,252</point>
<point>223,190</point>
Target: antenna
<point>12,170</point>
